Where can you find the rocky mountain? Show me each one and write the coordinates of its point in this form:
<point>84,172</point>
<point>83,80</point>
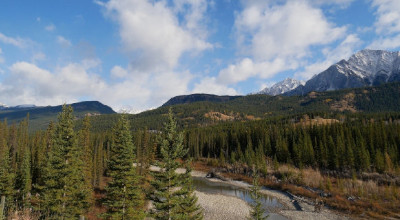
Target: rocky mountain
<point>185,99</point>
<point>281,87</point>
<point>365,68</point>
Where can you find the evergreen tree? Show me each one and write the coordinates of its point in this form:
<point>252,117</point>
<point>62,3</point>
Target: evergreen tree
<point>65,191</point>
<point>7,177</point>
<point>24,179</point>
<point>173,193</point>
<point>87,156</point>
<point>124,199</point>
<point>257,211</point>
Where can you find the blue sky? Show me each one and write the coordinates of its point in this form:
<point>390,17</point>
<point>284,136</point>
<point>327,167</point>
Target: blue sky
<point>136,54</point>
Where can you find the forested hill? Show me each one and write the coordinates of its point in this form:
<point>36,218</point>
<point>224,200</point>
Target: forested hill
<point>379,99</point>
<point>187,99</point>
<point>39,117</point>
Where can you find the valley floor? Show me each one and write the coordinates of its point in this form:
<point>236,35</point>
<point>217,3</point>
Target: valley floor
<point>218,206</point>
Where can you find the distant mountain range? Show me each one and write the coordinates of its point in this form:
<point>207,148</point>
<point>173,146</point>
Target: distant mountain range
<point>281,87</point>
<point>185,99</point>
<point>40,116</point>
<point>365,68</point>
<point>330,104</point>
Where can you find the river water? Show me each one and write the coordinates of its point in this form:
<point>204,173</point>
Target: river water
<point>270,204</point>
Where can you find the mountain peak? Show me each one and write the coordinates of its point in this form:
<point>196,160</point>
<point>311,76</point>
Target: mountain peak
<point>281,87</point>
<point>364,68</point>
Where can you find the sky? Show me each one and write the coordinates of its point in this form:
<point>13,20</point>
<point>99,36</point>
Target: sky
<point>137,54</point>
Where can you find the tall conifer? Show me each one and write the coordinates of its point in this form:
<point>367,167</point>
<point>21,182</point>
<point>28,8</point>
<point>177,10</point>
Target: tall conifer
<point>257,212</point>
<point>124,199</point>
<point>65,192</point>
<point>174,193</point>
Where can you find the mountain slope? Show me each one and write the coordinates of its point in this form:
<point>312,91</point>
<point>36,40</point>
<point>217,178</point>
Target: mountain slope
<point>365,68</point>
<point>281,87</point>
<point>185,99</point>
<point>39,117</point>
<point>376,99</point>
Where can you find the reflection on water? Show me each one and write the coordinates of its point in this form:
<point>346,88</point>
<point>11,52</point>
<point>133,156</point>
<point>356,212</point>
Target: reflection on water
<point>270,204</point>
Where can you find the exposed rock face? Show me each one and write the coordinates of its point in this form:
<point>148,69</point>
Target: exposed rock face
<point>281,87</point>
<point>365,68</point>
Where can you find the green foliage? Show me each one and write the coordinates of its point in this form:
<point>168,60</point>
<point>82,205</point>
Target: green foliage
<point>65,192</point>
<point>124,199</point>
<point>360,142</point>
<point>173,193</point>
<point>7,177</point>
<point>257,211</point>
<point>384,98</point>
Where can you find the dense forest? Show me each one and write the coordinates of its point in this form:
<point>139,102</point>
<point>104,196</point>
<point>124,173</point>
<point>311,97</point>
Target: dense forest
<point>350,144</point>
<point>66,165</point>
<point>53,174</point>
<point>379,100</point>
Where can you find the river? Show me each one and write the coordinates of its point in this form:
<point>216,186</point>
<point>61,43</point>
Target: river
<point>270,204</point>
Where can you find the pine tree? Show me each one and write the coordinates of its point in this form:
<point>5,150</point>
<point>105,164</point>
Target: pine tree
<point>86,150</point>
<point>174,194</point>
<point>24,178</point>
<point>7,177</point>
<point>65,191</point>
<point>124,199</point>
<point>257,212</point>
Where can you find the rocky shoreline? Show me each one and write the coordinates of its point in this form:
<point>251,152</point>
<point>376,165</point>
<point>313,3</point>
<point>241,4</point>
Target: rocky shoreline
<point>218,206</point>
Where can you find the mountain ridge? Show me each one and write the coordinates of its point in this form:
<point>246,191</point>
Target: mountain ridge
<point>198,97</point>
<point>364,68</point>
<point>40,116</point>
<point>281,87</point>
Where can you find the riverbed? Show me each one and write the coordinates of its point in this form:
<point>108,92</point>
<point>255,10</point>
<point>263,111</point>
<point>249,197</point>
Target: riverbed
<point>228,200</point>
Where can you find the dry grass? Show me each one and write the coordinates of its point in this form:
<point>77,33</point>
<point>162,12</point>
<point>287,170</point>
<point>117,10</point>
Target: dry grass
<point>218,116</point>
<point>352,196</point>
<point>312,178</point>
<point>26,214</point>
<point>345,104</point>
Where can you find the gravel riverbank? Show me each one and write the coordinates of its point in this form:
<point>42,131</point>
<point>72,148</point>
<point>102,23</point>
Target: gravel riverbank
<point>222,207</point>
<point>226,207</point>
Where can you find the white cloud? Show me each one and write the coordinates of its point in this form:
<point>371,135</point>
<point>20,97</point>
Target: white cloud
<point>118,72</point>
<point>28,83</point>
<point>210,85</point>
<point>63,42</point>
<point>39,56</point>
<point>341,3</point>
<point>387,24</point>
<point>194,12</point>
<point>152,31</point>
<point>331,56</point>
<point>18,42</point>
<point>284,30</point>
<point>50,27</point>
<point>247,68</point>
<point>277,37</point>
<point>1,56</point>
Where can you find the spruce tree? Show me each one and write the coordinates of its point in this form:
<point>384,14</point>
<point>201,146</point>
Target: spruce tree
<point>24,179</point>
<point>65,191</point>
<point>87,156</point>
<point>7,177</point>
<point>257,211</point>
<point>173,197</point>
<point>124,198</point>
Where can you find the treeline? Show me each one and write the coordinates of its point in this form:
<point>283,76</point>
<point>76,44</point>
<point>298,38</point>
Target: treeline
<point>53,174</point>
<point>351,144</point>
<point>370,100</point>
